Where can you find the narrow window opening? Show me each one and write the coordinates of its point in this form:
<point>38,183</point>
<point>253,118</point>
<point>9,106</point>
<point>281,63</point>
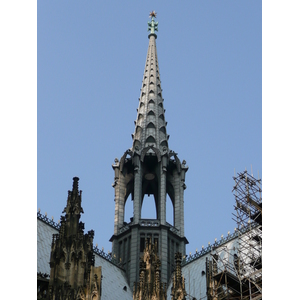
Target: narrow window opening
<point>142,244</point>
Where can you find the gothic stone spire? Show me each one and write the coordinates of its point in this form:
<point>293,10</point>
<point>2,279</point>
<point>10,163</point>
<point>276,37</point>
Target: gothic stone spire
<point>150,125</point>
<point>149,171</point>
<point>72,272</point>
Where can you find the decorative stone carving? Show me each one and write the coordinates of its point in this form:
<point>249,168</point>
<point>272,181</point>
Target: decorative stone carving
<point>150,287</point>
<point>178,291</point>
<point>70,249</point>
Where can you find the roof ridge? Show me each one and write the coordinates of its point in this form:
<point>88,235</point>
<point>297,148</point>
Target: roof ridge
<point>216,244</point>
<point>46,220</point>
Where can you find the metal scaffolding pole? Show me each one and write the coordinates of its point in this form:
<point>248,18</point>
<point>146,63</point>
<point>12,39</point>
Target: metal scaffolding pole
<point>236,272</point>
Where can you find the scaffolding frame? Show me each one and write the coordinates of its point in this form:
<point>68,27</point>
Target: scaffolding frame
<point>236,273</point>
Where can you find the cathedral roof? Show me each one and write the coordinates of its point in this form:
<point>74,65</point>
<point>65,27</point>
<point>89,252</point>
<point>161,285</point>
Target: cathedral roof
<point>150,125</point>
<point>45,231</point>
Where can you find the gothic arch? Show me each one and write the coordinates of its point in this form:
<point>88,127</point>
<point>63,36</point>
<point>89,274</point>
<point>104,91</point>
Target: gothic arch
<point>150,125</point>
<point>150,139</point>
<point>162,117</point>
<point>122,161</point>
<point>156,151</point>
<point>163,129</point>
<point>151,113</point>
<point>164,143</point>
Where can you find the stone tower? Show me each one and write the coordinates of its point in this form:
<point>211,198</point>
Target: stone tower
<point>149,167</point>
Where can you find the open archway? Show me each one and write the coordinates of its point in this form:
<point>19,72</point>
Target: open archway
<point>148,210</point>
<point>169,211</point>
<point>128,211</point>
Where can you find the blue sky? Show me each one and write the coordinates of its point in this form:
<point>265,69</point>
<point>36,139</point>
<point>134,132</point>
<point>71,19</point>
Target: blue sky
<point>90,62</point>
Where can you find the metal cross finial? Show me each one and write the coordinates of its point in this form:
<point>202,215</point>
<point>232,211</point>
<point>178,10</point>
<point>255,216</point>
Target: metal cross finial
<point>152,25</point>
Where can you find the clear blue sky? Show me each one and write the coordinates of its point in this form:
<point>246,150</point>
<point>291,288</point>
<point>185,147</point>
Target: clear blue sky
<point>90,62</point>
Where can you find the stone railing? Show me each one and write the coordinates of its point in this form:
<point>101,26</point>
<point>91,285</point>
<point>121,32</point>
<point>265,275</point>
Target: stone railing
<point>149,222</point>
<point>48,221</point>
<point>107,256</point>
<point>173,229</point>
<point>124,228</point>
<point>189,258</point>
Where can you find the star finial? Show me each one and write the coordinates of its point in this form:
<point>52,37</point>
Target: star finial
<point>152,14</point>
<point>152,25</point>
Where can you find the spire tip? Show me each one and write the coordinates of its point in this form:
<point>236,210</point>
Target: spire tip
<point>152,25</point>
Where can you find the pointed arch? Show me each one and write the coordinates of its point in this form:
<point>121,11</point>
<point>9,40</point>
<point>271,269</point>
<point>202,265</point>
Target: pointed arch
<point>151,113</point>
<point>164,143</point>
<point>150,130</point>
<point>150,139</point>
<point>137,143</point>
<point>138,132</point>
<point>163,129</point>
<point>122,160</point>
<point>150,125</point>
<point>156,151</point>
<point>151,101</point>
<point>162,117</point>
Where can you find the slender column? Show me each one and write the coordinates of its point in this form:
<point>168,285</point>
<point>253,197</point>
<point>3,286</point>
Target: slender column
<point>177,206</point>
<point>134,257</point>
<point>164,255</point>
<point>137,192</point>
<point>162,196</point>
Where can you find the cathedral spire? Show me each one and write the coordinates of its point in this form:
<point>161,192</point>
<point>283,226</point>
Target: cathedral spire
<point>149,172</point>
<point>150,125</point>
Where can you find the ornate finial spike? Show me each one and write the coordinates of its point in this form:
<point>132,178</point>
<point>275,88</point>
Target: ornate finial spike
<point>152,25</point>
<point>75,183</point>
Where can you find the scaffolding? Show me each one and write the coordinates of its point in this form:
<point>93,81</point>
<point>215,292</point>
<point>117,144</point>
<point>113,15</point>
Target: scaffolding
<point>234,271</point>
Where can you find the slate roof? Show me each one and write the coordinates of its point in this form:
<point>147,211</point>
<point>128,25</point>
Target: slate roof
<point>44,239</point>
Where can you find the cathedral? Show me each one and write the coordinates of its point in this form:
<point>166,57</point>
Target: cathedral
<point>148,258</point>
